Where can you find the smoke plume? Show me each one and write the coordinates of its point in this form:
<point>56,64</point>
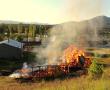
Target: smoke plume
<point>79,10</point>
<point>72,33</point>
<point>76,33</point>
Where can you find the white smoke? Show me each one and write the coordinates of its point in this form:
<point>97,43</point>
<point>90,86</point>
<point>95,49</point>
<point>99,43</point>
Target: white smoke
<point>79,10</point>
<point>63,35</point>
<point>76,33</point>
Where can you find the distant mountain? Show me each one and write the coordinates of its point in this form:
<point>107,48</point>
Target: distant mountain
<point>17,22</point>
<point>9,22</point>
<point>101,20</point>
<point>98,19</point>
<point>93,30</point>
<point>99,23</point>
<point>104,18</point>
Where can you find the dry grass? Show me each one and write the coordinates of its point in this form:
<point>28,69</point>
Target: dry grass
<point>104,61</point>
<point>99,50</point>
<point>80,83</point>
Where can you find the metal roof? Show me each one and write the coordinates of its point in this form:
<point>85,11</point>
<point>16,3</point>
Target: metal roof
<point>13,43</point>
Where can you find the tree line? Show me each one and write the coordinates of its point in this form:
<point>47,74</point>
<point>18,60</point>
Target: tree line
<point>21,31</point>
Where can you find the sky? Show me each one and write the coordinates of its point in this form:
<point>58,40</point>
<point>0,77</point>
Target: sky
<point>106,7</point>
<point>52,11</point>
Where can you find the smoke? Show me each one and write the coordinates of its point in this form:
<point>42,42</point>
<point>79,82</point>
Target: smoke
<point>60,37</point>
<point>78,10</point>
<point>76,33</point>
<point>72,33</point>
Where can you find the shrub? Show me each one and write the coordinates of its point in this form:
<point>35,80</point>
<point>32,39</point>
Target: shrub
<point>95,70</point>
<point>19,38</point>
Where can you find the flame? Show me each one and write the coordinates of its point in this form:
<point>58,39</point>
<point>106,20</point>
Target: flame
<point>72,54</point>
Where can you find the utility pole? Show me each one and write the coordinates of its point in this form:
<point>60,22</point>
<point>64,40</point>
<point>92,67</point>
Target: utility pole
<point>8,35</point>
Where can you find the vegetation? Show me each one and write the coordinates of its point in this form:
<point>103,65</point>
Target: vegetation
<point>75,83</point>
<point>79,83</point>
<point>22,30</point>
<point>95,69</point>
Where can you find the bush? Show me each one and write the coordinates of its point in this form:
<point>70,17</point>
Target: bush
<point>95,70</point>
<point>19,38</point>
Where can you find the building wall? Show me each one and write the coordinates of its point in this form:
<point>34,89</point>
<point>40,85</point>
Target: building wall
<point>7,51</point>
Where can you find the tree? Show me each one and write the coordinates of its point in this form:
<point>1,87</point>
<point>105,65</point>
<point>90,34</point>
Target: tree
<point>95,69</point>
<point>19,38</point>
<point>1,37</point>
<point>27,32</point>
<point>10,29</point>
<point>32,31</point>
<point>20,28</point>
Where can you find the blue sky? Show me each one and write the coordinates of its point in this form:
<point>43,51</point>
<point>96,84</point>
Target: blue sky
<point>106,7</point>
<point>52,11</point>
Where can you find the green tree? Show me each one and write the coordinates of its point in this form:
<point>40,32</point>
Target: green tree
<point>1,37</point>
<point>95,69</point>
<point>10,29</point>
<point>32,31</point>
<point>19,38</point>
<point>20,28</point>
<point>27,33</point>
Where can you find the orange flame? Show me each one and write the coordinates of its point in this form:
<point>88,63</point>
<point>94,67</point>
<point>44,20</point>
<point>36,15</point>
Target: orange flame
<point>72,53</point>
<point>71,56</point>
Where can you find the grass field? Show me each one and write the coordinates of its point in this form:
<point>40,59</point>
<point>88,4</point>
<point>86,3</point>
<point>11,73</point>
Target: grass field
<point>79,83</point>
<point>75,83</point>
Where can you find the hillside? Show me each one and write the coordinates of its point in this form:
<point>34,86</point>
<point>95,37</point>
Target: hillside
<point>9,22</point>
<point>95,30</point>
